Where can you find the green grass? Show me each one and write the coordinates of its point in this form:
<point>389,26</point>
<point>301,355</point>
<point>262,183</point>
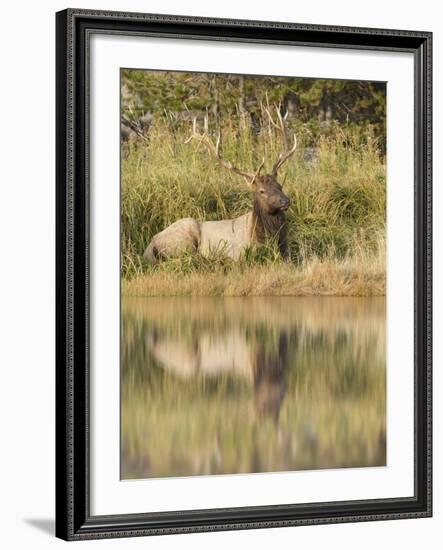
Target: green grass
<point>337,213</point>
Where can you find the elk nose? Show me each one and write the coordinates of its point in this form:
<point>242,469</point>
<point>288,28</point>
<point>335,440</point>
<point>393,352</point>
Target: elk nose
<point>284,202</point>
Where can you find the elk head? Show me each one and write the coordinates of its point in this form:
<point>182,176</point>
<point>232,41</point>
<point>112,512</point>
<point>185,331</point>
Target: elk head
<point>268,192</point>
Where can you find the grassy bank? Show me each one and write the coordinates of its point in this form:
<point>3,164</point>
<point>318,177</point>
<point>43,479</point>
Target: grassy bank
<point>336,221</point>
<point>358,275</point>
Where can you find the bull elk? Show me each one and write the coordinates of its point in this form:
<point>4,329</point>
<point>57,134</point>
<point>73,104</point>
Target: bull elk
<point>231,237</point>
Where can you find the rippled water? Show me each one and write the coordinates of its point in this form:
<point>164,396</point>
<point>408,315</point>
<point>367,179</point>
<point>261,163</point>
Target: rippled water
<point>236,385</point>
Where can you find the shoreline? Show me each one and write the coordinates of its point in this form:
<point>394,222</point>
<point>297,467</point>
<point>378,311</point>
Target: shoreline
<point>327,278</point>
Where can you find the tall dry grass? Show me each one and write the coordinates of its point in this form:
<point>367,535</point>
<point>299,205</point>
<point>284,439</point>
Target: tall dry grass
<point>336,221</point>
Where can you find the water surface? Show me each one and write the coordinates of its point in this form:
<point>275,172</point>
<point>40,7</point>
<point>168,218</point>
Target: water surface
<point>256,384</point>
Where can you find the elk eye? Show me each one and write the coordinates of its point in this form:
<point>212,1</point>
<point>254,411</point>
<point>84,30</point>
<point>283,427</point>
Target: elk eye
<point>262,191</point>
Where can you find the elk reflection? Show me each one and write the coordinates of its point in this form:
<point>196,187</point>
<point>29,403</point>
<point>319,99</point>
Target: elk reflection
<point>260,363</point>
<point>269,380</point>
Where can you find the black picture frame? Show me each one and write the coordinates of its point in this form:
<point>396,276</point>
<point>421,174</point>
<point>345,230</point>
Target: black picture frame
<point>74,521</point>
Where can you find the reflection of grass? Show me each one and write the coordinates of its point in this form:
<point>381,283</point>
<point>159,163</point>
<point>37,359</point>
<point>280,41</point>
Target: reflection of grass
<point>333,413</point>
<point>336,222</point>
<point>182,429</point>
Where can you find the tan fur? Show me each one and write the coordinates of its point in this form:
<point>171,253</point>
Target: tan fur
<point>180,237</point>
<point>228,237</point>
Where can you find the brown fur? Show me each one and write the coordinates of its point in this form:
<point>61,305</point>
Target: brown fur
<point>268,218</point>
<point>270,227</point>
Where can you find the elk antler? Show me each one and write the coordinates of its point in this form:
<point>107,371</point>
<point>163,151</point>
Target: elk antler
<point>286,153</point>
<point>215,151</point>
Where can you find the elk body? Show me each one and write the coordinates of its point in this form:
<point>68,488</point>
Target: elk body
<point>266,220</point>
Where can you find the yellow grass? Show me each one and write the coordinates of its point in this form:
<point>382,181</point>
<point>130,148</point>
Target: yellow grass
<point>359,275</point>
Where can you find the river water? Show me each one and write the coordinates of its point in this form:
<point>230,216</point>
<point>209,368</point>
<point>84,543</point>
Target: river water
<point>254,384</point>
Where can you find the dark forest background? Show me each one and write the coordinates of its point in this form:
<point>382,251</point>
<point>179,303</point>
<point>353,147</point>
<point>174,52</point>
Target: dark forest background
<point>319,105</point>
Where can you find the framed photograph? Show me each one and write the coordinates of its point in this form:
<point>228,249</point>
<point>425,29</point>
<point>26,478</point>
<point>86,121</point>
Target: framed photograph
<point>243,274</point>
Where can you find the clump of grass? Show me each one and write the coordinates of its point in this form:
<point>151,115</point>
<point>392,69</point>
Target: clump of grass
<point>335,224</point>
